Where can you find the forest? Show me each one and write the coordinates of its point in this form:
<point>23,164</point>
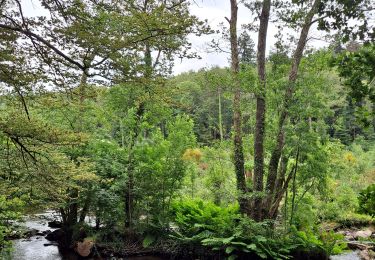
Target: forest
<point>110,154</point>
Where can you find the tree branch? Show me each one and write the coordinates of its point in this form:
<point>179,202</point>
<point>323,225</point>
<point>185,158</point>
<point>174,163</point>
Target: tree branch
<point>45,42</point>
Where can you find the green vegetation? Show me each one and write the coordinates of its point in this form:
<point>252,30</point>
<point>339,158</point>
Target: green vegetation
<point>367,201</point>
<point>262,159</point>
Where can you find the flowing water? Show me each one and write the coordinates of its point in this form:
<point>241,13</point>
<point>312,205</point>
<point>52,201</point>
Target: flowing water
<point>33,248</point>
<point>354,255</point>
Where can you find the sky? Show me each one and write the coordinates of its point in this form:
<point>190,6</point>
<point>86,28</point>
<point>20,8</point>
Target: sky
<point>215,12</point>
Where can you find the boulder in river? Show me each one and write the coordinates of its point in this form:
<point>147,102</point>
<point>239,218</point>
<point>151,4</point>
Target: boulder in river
<point>56,235</point>
<point>55,224</point>
<point>30,233</point>
<point>354,245</point>
<point>363,234</point>
<point>367,255</point>
<point>46,232</point>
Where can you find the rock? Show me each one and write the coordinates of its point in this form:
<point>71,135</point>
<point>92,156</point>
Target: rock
<point>15,234</point>
<point>56,235</point>
<point>84,248</point>
<point>350,238</point>
<point>362,234</point>
<point>352,255</point>
<point>46,232</point>
<point>55,224</point>
<point>365,255</point>
<point>31,233</point>
<point>49,244</point>
<point>353,245</point>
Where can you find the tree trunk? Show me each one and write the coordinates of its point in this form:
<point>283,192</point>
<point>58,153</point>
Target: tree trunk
<point>85,209</point>
<point>280,140</point>
<point>129,200</point>
<point>72,212</point>
<point>238,146</point>
<point>72,215</point>
<point>129,184</point>
<point>220,116</point>
<point>272,213</point>
<point>260,112</point>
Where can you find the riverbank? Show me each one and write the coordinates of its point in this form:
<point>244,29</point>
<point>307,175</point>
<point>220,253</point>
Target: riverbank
<point>35,244</point>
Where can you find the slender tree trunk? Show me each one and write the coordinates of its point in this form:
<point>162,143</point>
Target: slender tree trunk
<point>237,124</point>
<point>279,195</point>
<point>286,210</point>
<point>72,216</point>
<point>260,112</point>
<point>280,140</point>
<point>294,190</point>
<point>280,181</point>
<point>73,208</point>
<point>129,185</point>
<point>85,209</point>
<point>148,61</point>
<point>220,116</point>
<point>97,223</point>
<point>63,216</point>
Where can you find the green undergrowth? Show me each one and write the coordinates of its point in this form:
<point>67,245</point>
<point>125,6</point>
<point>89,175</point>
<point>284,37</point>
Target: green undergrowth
<point>224,230</point>
<point>355,220</point>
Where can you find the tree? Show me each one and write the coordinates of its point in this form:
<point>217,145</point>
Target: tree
<point>246,49</point>
<point>237,119</point>
<point>260,111</point>
<point>357,68</point>
<point>311,9</point>
<point>367,200</point>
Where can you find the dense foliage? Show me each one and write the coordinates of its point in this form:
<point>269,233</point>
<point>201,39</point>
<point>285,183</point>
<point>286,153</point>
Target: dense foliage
<point>229,161</point>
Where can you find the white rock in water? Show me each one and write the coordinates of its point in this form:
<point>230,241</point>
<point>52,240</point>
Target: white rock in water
<point>363,233</point>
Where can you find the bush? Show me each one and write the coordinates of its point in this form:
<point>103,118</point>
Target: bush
<point>226,231</point>
<point>367,201</point>
<point>9,212</point>
<point>194,216</point>
<point>354,220</point>
<point>314,241</point>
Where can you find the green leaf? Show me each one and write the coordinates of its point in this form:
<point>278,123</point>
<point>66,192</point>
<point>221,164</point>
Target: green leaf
<point>252,247</point>
<point>148,240</point>
<point>232,257</point>
<point>230,249</point>
<point>239,243</point>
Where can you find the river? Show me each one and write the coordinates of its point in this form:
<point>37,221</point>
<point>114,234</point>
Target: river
<point>34,248</point>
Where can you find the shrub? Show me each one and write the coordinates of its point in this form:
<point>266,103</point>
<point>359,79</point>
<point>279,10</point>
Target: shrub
<point>367,201</point>
<point>194,216</point>
<point>9,211</point>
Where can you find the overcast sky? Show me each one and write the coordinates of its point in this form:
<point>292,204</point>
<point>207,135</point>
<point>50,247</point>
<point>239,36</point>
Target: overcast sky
<point>215,12</point>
